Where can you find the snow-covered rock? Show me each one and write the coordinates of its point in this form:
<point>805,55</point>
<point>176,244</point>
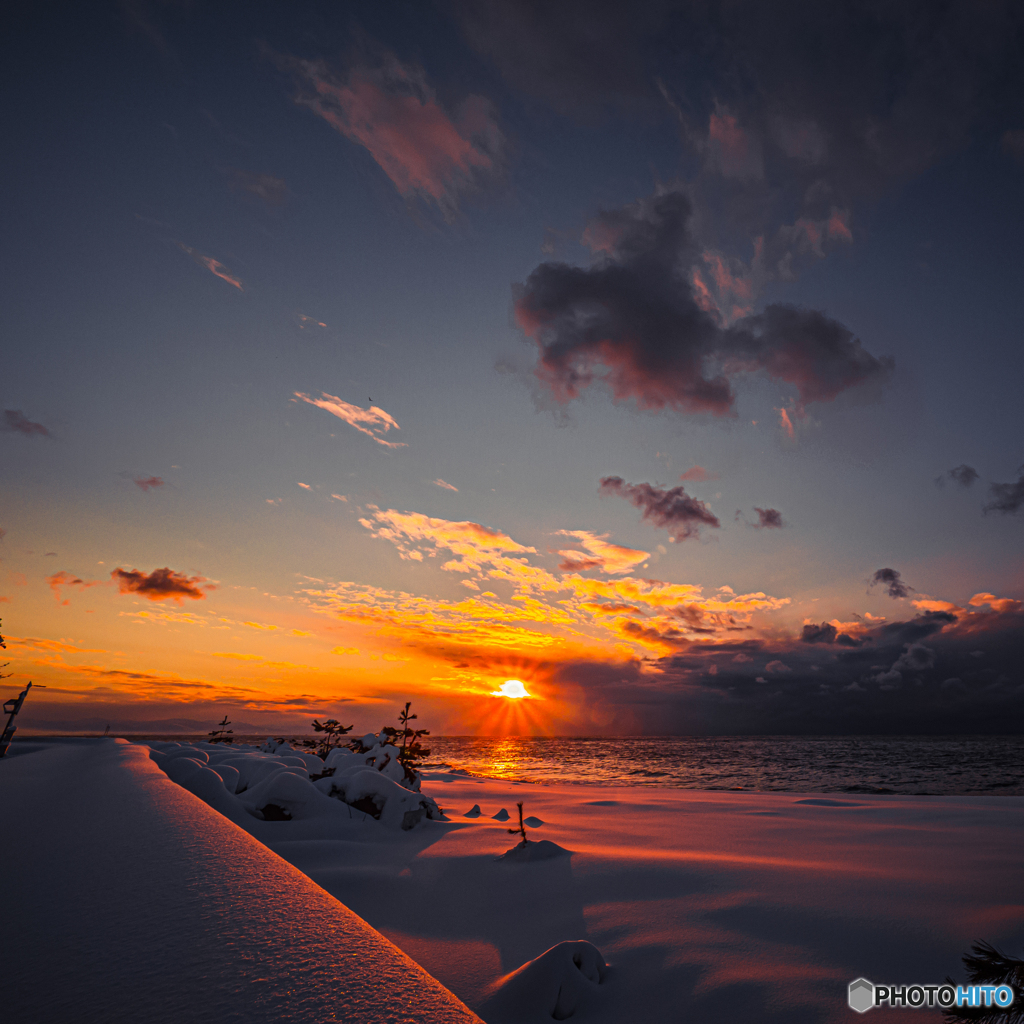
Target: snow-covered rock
<point>530,850</point>
<point>558,984</point>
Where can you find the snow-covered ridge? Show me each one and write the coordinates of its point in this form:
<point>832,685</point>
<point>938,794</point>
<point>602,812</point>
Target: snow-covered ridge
<point>129,900</point>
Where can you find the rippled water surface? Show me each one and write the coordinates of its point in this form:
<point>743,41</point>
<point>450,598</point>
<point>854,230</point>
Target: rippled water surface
<point>991,765</point>
<point>816,764</point>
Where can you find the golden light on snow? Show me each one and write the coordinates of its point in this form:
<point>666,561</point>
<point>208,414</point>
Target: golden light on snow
<point>511,688</point>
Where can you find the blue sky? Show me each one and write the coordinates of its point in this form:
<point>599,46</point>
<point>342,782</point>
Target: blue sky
<point>193,192</point>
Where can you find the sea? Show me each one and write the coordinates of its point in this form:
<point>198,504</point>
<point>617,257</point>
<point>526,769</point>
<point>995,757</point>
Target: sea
<point>918,765</point>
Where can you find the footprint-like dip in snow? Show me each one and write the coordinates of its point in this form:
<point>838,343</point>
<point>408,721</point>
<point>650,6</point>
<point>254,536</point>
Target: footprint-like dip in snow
<point>473,812</point>
<point>502,815</point>
<point>557,985</point>
<point>533,822</point>
<point>530,851</point>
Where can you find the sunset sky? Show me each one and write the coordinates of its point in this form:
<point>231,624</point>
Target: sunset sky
<point>666,359</point>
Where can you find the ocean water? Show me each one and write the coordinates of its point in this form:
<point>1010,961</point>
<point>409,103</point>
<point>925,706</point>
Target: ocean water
<point>992,765</point>
<point>937,765</point>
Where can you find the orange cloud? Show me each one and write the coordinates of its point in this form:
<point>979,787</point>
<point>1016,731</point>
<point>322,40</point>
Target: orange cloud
<point>609,558</point>
<point>38,644</point>
<point>444,485</point>
<point>160,584</point>
<point>786,423</point>
<point>371,422</point>
<point>66,579</point>
<point>213,266</point>
<point>999,604</point>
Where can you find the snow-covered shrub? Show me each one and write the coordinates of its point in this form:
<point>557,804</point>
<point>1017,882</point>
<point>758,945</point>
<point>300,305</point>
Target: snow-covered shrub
<point>382,798</point>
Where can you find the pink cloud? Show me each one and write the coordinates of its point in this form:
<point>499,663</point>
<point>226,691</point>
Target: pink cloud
<point>395,114</point>
<point>698,474</point>
<point>735,152</point>
<point>213,266</point>
<point>371,422</point>
<point>837,226</point>
<point>148,482</point>
<point>444,485</point>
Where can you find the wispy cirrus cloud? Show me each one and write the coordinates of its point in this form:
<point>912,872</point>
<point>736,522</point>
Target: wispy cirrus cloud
<point>393,112</point>
<point>148,483</point>
<point>160,584</point>
<point>372,422</point>
<point>266,187</point>
<point>67,579</point>
<point>444,485</point>
<point>215,267</point>
<point>14,421</point>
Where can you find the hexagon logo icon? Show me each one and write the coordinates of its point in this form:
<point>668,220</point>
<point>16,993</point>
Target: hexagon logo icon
<point>861,995</point>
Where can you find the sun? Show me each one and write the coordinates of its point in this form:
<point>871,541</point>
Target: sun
<point>512,688</point>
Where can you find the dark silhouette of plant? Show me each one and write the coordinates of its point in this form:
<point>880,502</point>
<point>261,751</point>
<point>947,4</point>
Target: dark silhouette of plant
<point>987,965</point>
<point>521,831</point>
<point>222,734</point>
<point>410,751</point>
<point>333,731</point>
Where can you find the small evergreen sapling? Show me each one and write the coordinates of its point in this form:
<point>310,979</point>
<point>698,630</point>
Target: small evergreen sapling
<point>333,731</point>
<point>987,965</point>
<point>521,831</point>
<point>410,751</point>
<point>222,734</point>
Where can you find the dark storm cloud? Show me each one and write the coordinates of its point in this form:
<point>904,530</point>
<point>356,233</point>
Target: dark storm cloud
<point>1007,498</point>
<point>14,421</point>
<point>898,680</point>
<point>963,475</point>
<point>826,633</point>
<point>159,584</point>
<point>890,579</point>
<point>674,509</point>
<point>634,321</point>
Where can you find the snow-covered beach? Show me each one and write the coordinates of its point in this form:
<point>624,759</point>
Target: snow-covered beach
<point>703,906</point>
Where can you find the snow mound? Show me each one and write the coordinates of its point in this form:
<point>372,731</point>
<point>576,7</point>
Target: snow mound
<point>380,797</point>
<point>245,783</point>
<point>556,985</point>
<point>287,791</point>
<point>533,822</point>
<point>272,746</point>
<point>529,851</point>
<point>502,815</point>
<point>474,812</point>
<point>381,756</point>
